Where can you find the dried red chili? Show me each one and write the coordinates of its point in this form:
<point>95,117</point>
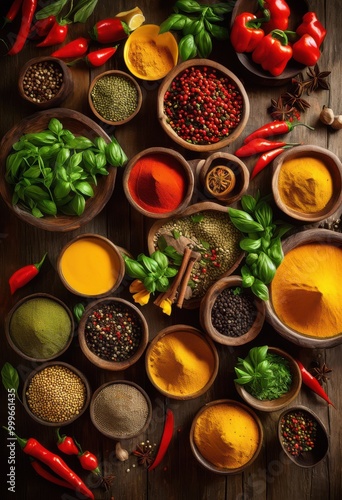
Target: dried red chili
<point>276,127</point>
<point>165,439</point>
<point>109,30</point>
<point>66,444</point>
<point>56,35</point>
<point>310,381</point>
<point>75,48</point>
<point>23,275</point>
<point>260,145</point>
<point>28,11</point>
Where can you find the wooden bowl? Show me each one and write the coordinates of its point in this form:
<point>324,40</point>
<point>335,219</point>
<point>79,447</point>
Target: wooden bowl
<point>116,76</point>
<point>17,348</point>
<point>317,236</point>
<point>60,70</point>
<point>78,124</point>
<point>163,118</point>
<point>210,466</point>
<point>333,164</point>
<point>178,163</point>
<point>105,429</point>
<point>254,71</point>
<point>207,305</point>
<point>134,313</point>
<point>197,208</point>
<point>75,264</point>
<point>284,400</point>
<point>317,454</point>
<point>49,393</point>
<point>166,55</point>
<point>206,343</point>
<point>239,169</point>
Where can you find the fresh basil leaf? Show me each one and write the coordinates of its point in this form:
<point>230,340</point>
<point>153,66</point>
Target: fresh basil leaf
<point>250,245</point>
<point>248,203</point>
<point>84,188</point>
<point>223,8</point>
<point>78,311</point>
<point>189,6</point>
<point>53,9</point>
<point>10,378</point>
<point>160,259</point>
<point>187,47</point>
<point>61,189</point>
<point>48,207</point>
<point>243,221</point>
<point>174,22</point>
<point>55,126</point>
<point>162,284</point>
<point>204,43</point>
<point>265,268</point>
<point>134,269</point>
<point>263,214</point>
<point>194,27</point>
<point>218,32</point>
<point>83,10</point>
<point>260,290</point>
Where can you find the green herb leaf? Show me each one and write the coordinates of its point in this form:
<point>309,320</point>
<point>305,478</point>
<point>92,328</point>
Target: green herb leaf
<point>160,259</point>
<point>243,221</point>
<point>55,126</point>
<point>218,32</point>
<point>260,290</point>
<point>189,6</point>
<point>10,378</point>
<point>53,9</point>
<point>197,218</point>
<point>173,22</point>
<point>83,10</point>
<point>187,47</point>
<point>250,245</point>
<point>134,269</point>
<point>204,43</point>
<point>78,311</point>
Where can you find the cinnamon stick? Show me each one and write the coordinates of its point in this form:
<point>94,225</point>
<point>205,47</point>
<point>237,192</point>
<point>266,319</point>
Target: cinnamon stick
<point>185,280</point>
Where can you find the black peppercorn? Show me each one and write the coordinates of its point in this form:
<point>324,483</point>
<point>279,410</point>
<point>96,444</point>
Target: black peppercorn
<point>233,313</point>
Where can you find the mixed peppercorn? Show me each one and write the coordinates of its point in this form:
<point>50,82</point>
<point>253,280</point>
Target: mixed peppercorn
<point>298,431</point>
<point>42,81</point>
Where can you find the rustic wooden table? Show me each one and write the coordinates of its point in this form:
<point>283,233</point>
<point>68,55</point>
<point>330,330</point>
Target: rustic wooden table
<point>271,476</point>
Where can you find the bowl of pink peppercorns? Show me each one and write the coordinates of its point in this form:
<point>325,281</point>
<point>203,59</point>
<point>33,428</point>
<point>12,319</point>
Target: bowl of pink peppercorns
<point>202,105</point>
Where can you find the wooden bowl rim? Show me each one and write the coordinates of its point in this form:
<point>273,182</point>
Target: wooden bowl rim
<point>20,303</point>
<point>205,463</point>
<point>207,304</point>
<point>123,382</point>
<point>71,368</point>
<point>115,72</point>
<point>102,363</point>
<point>169,330</point>
<point>172,134</point>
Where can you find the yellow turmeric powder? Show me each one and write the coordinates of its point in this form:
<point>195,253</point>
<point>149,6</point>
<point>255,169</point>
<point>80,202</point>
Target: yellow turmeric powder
<point>149,59</point>
<point>181,363</point>
<point>306,291</point>
<point>226,435</point>
<point>305,184</point>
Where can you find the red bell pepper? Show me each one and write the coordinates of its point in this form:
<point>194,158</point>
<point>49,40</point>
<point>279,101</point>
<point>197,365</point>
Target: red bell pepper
<point>56,35</point>
<point>75,48</point>
<point>312,26</point>
<point>246,32</point>
<point>110,30</point>
<point>278,13</point>
<point>306,51</point>
<point>273,52</point>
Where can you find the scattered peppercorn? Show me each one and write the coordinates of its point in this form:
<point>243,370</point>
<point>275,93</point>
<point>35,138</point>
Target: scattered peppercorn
<point>298,430</point>
<point>233,313</point>
<point>42,81</point>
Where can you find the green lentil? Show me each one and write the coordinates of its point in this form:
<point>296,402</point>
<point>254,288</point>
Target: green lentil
<point>115,98</point>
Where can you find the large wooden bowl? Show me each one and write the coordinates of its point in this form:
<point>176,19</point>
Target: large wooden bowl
<point>78,124</point>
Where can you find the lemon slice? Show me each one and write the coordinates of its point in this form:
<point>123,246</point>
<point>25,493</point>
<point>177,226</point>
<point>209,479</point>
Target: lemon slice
<point>133,18</point>
<point>220,181</point>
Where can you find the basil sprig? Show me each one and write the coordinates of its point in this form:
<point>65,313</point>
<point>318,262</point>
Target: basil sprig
<point>198,26</point>
<point>261,242</point>
<point>10,378</point>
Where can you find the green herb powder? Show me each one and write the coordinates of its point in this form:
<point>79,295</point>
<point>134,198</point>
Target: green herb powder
<point>40,328</point>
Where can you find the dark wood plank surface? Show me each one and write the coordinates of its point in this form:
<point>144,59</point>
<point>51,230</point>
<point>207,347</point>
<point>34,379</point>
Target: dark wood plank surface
<point>272,476</point>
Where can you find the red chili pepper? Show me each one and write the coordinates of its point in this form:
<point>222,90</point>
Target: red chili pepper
<point>165,439</point>
<point>56,35</point>
<point>246,32</point>
<point>89,462</point>
<point>28,10</point>
<point>42,27</point>
<point>66,444</point>
<point>273,52</point>
<point>310,381</point>
<point>48,476</point>
<point>99,57</point>
<point>278,13</point>
<point>109,30</point>
<point>276,127</point>
<point>75,48</point>
<point>260,145</point>
<point>265,160</point>
<point>23,275</point>
<point>312,26</point>
<point>13,11</point>
<point>306,51</point>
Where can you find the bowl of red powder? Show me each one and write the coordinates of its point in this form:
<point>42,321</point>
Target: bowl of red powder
<point>158,182</point>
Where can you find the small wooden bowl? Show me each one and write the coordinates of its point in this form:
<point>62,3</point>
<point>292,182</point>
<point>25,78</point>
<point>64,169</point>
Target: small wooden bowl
<point>333,164</point>
<point>317,236</point>
<point>239,169</point>
<point>186,330</point>
<point>187,175</point>
<point>106,364</point>
<point>9,317</point>
<point>203,461</point>
<point>78,124</point>
<point>66,87</point>
<point>248,66</point>
<point>114,255</point>
<point>284,400</point>
<point>107,432</point>
<point>317,454</point>
<point>39,369</point>
<point>200,148</point>
<point>207,305</point>
<point>115,74</point>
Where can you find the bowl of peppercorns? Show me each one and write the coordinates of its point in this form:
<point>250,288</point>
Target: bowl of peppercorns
<point>113,333</point>
<point>202,105</point>
<point>45,82</point>
<point>230,314</point>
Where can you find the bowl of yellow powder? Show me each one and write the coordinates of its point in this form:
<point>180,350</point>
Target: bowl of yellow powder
<point>305,293</point>
<point>39,327</point>
<point>181,362</point>
<point>307,183</point>
<point>226,436</point>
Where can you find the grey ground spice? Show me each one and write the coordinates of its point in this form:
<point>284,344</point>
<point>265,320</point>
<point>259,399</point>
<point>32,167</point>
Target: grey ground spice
<point>115,98</point>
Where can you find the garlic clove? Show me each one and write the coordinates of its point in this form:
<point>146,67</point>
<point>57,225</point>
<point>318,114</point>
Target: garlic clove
<point>327,116</point>
<point>120,453</point>
<point>337,122</point>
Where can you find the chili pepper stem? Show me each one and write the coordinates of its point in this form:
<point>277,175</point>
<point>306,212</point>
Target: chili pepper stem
<point>21,441</point>
<point>40,263</point>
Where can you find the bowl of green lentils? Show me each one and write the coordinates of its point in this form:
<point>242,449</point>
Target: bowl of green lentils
<point>114,97</point>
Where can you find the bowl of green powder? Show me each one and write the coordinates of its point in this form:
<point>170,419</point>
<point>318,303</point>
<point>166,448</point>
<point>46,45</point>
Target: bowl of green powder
<point>39,327</point>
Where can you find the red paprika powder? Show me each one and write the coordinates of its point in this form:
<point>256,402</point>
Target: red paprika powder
<point>157,183</point>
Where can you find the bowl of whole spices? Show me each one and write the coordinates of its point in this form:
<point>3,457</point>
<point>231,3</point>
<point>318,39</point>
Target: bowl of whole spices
<point>45,82</point>
<point>113,333</point>
<point>120,409</point>
<point>56,394</point>
<point>230,314</point>
<point>115,97</point>
<point>302,436</point>
<point>39,327</point>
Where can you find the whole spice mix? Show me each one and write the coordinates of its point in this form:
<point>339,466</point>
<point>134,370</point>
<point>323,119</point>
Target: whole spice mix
<point>298,430</point>
<point>42,81</point>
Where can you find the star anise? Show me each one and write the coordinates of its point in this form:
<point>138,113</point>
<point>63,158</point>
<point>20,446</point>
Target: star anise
<point>317,79</point>
<point>321,373</point>
<point>144,451</point>
<point>280,110</point>
<point>295,100</point>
